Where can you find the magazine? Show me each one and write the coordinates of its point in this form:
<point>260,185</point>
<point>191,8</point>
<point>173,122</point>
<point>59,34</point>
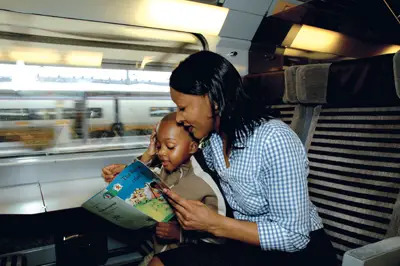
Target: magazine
<point>134,199</point>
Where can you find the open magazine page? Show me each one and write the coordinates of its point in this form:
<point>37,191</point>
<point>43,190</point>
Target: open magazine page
<point>133,199</point>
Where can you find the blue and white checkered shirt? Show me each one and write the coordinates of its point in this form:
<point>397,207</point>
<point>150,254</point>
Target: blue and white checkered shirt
<point>266,183</point>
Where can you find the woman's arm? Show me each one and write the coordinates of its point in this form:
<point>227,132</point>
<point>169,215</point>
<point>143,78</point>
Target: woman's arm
<point>243,231</point>
<point>194,215</point>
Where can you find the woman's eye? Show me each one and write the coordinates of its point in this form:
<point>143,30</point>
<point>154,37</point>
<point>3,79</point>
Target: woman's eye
<point>181,109</point>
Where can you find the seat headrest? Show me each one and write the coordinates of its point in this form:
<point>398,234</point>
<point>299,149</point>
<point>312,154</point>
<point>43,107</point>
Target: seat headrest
<point>396,72</point>
<point>267,88</point>
<point>363,82</point>
<point>311,83</point>
<point>290,95</point>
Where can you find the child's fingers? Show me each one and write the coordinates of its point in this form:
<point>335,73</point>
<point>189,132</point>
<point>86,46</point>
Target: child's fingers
<point>153,136</point>
<point>110,169</point>
<point>162,225</point>
<point>162,235</point>
<point>162,231</point>
<point>106,171</point>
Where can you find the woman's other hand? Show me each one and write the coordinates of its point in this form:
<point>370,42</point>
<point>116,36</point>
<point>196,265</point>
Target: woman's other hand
<point>192,214</point>
<point>170,230</point>
<point>110,171</point>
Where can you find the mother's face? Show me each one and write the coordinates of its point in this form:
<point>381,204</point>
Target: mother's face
<point>194,111</point>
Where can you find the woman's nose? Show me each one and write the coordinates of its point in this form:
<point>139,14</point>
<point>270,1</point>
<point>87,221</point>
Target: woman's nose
<point>179,117</point>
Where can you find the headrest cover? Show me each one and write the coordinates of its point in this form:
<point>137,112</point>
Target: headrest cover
<point>289,95</point>
<point>267,88</point>
<point>396,72</point>
<point>363,82</point>
<point>311,83</point>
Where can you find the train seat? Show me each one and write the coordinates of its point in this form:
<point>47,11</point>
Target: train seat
<point>270,89</point>
<point>16,260</point>
<point>396,72</point>
<point>354,153</point>
<point>290,95</point>
<point>294,77</point>
<point>313,93</point>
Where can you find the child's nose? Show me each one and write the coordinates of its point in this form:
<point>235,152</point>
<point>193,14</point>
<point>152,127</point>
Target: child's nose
<point>162,151</point>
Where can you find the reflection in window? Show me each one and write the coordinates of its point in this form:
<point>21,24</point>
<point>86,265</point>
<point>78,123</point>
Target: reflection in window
<point>161,111</point>
<point>60,111</point>
<point>70,113</point>
<point>14,114</point>
<point>91,91</point>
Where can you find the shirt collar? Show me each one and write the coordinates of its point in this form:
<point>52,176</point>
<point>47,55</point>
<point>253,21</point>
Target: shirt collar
<point>172,179</point>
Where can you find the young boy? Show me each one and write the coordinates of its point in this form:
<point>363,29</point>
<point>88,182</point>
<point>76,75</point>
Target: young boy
<point>170,155</point>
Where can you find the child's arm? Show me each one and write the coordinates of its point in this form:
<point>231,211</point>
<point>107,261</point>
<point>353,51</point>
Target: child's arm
<point>110,171</point>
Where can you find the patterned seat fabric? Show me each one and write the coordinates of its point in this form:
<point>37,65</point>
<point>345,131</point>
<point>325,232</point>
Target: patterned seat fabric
<point>354,150</point>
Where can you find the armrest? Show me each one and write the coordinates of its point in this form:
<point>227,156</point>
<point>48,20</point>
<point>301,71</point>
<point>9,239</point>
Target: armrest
<point>385,252</point>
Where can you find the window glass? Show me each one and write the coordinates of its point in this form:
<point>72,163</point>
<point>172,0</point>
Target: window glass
<point>77,86</point>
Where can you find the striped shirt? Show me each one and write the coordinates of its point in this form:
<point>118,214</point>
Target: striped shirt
<point>266,183</point>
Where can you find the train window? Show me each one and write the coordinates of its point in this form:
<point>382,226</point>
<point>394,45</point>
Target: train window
<point>94,113</point>
<point>161,111</point>
<point>91,113</point>
<point>100,87</point>
<point>14,114</point>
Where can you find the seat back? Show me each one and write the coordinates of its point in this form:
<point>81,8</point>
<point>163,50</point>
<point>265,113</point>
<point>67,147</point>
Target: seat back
<point>354,150</point>
<point>269,88</point>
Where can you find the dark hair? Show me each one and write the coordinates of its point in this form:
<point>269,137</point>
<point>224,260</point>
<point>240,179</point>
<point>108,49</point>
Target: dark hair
<point>207,73</point>
<point>171,117</point>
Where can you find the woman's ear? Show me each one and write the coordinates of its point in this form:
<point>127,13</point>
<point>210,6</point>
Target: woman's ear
<point>194,146</point>
<point>216,109</point>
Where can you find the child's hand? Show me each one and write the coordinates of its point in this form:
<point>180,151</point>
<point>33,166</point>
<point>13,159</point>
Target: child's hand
<point>170,230</point>
<point>110,171</point>
<point>151,151</point>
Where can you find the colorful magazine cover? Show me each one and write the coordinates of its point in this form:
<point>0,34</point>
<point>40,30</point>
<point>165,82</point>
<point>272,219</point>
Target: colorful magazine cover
<point>133,200</point>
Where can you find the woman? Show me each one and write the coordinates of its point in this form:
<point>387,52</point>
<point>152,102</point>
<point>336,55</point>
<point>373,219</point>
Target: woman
<point>263,172</point>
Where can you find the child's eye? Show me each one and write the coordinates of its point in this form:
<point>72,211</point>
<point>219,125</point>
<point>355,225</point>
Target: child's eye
<point>181,109</point>
<point>171,147</point>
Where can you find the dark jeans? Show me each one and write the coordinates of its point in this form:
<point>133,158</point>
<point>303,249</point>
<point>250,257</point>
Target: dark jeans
<point>319,251</point>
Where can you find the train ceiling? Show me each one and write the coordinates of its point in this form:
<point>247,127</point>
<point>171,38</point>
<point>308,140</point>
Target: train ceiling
<point>375,21</point>
<point>359,28</point>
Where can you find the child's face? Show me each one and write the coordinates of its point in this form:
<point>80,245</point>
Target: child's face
<point>174,145</point>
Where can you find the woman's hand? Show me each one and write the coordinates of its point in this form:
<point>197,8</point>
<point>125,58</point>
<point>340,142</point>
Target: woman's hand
<point>192,214</point>
<point>170,230</point>
<point>110,171</point>
<point>151,151</point>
